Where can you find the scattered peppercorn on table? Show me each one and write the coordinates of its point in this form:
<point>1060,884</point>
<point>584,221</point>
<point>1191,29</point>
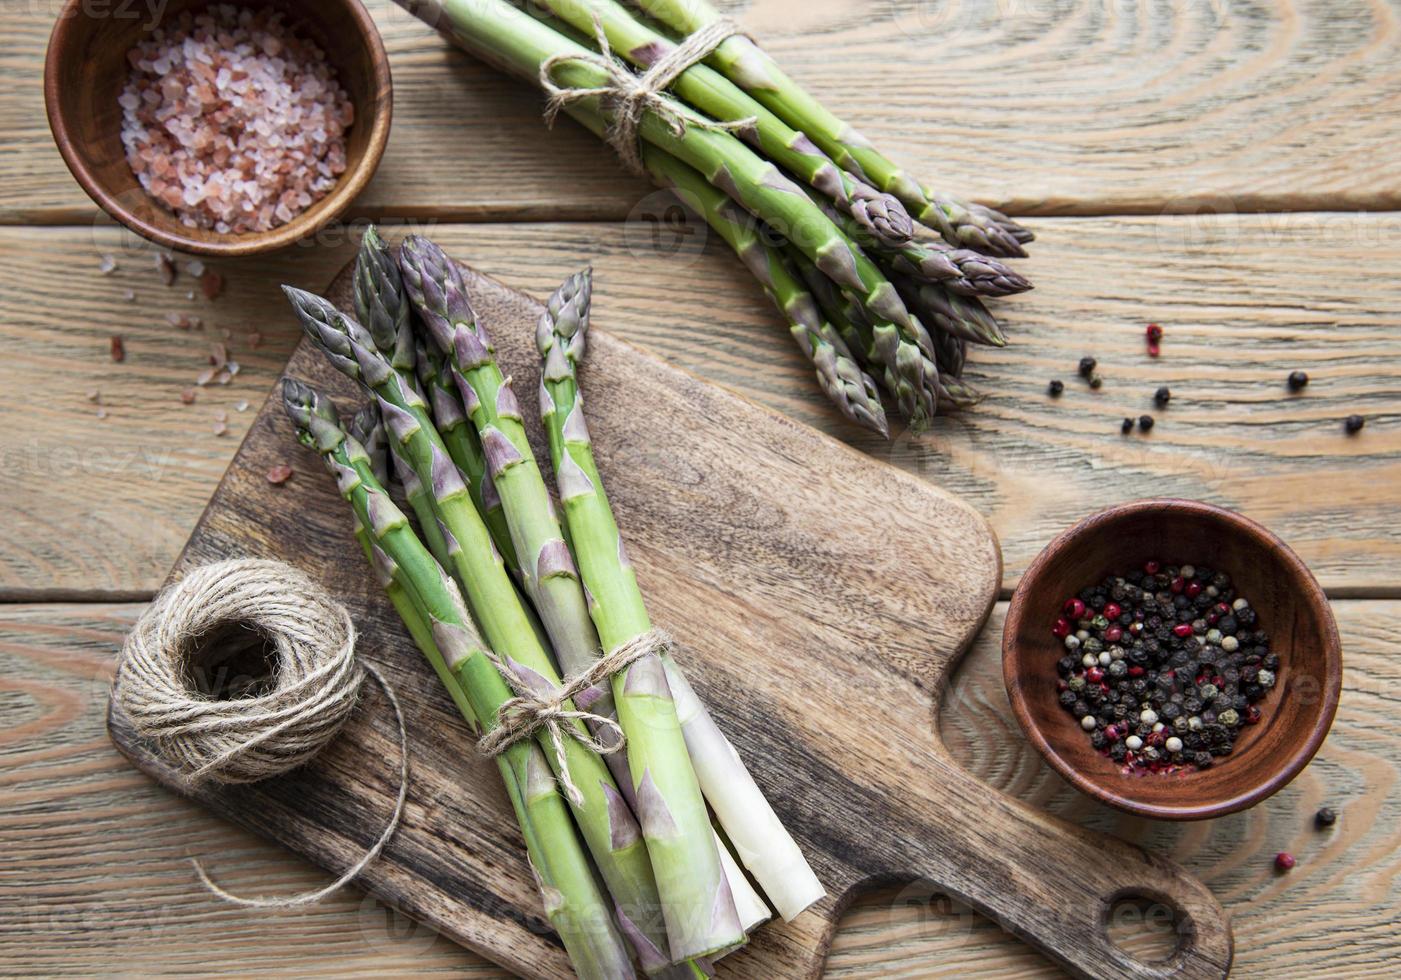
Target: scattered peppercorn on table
<point>111,459</point>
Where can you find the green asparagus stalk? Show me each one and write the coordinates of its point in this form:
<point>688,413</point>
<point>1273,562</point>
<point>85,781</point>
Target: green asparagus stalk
<point>878,215</point>
<point>437,619</point>
<point>763,844</point>
<point>840,377</point>
<point>941,309</point>
<point>609,829</point>
<point>701,917</point>
<point>463,446</point>
<point>380,304</point>
<point>511,39</point>
<point>959,270</point>
<point>748,66</point>
<point>384,310</point>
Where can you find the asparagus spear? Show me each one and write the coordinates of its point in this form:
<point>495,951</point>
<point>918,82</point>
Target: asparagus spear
<point>943,310</point>
<point>609,829</point>
<point>513,40</point>
<point>437,619</point>
<point>749,67</point>
<point>701,917</point>
<point>959,270</point>
<point>463,446</point>
<point>760,838</point>
<point>838,374</point>
<point>879,215</point>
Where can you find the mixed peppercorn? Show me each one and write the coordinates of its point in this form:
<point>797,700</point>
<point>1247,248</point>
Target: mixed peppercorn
<point>1163,666</point>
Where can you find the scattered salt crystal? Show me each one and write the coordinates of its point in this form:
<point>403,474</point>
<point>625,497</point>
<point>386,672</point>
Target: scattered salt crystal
<point>220,428</point>
<point>188,396</point>
<point>204,377</point>
<point>102,413</point>
<point>107,265</point>
<point>164,266</point>
<point>279,474</point>
<point>94,395</point>
<point>241,406</point>
<point>233,368</point>
<point>221,416</point>
<point>129,296</point>
<point>195,268</point>
<point>232,120</point>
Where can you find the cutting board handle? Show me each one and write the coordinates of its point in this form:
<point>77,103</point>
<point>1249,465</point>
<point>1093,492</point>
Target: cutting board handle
<point>1055,884</point>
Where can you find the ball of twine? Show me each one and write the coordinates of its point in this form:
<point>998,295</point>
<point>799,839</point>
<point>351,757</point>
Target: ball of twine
<point>316,678</point>
<point>315,685</point>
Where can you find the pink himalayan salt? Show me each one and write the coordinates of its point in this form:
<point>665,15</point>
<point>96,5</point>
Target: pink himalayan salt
<point>232,121</point>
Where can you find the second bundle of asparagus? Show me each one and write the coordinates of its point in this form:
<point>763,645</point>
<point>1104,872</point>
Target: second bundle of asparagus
<point>880,277</point>
<point>617,768</point>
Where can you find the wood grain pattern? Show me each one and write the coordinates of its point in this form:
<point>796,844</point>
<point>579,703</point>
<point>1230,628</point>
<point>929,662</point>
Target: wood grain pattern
<point>105,505</point>
<point>1044,106</point>
<point>82,893</point>
<point>715,494</point>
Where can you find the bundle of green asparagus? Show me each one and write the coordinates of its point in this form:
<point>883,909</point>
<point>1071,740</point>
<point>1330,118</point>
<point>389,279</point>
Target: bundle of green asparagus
<point>881,278</point>
<point>505,602</point>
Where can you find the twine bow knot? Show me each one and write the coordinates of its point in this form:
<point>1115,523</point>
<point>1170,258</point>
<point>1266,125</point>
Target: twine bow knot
<point>532,710</point>
<point>629,96</point>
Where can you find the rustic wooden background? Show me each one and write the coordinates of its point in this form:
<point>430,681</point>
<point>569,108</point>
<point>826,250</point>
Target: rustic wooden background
<point>1224,168</point>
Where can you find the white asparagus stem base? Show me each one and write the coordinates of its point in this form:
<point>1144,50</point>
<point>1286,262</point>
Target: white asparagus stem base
<point>760,840</point>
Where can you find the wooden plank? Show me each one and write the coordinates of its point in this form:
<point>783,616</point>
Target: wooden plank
<point>105,505</point>
<point>97,872</point>
<point>1047,107</point>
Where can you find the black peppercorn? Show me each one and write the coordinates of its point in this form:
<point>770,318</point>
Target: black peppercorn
<point>1087,366</point>
<point>1354,424</point>
<point>1055,388</point>
<point>1325,817</point>
<point>1298,380</point>
<point>1162,396</point>
<point>1145,422</point>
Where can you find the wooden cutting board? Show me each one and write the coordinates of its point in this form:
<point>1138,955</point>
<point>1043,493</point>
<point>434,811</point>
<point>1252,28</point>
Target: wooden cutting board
<point>822,599</point>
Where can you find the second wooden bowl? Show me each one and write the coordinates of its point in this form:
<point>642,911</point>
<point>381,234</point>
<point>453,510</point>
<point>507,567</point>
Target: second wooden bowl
<point>86,68</point>
<point>1291,607</point>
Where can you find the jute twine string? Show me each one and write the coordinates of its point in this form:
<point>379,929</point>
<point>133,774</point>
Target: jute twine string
<point>530,710</point>
<point>316,684</point>
<point>629,96</point>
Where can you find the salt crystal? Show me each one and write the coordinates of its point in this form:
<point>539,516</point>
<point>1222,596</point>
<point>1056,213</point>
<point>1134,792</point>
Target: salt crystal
<point>195,268</point>
<point>107,265</point>
<point>232,121</point>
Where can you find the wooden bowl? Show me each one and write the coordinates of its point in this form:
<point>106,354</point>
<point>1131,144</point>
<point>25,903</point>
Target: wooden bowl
<point>86,68</point>
<point>1292,609</point>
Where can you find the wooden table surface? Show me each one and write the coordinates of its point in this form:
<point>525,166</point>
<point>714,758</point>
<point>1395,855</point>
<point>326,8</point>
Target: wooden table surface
<point>1224,168</point>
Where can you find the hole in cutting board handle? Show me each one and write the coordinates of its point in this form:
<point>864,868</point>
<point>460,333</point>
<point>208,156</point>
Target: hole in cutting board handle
<point>1148,928</point>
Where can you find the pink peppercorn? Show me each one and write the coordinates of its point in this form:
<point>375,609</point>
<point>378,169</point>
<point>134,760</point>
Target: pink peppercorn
<point>1193,589</point>
<point>1112,611</point>
<point>1178,584</point>
<point>1073,608</point>
<point>1151,567</point>
<point>1061,629</point>
<point>1094,675</point>
<point>1113,635</point>
<point>1182,629</point>
<point>1284,861</point>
